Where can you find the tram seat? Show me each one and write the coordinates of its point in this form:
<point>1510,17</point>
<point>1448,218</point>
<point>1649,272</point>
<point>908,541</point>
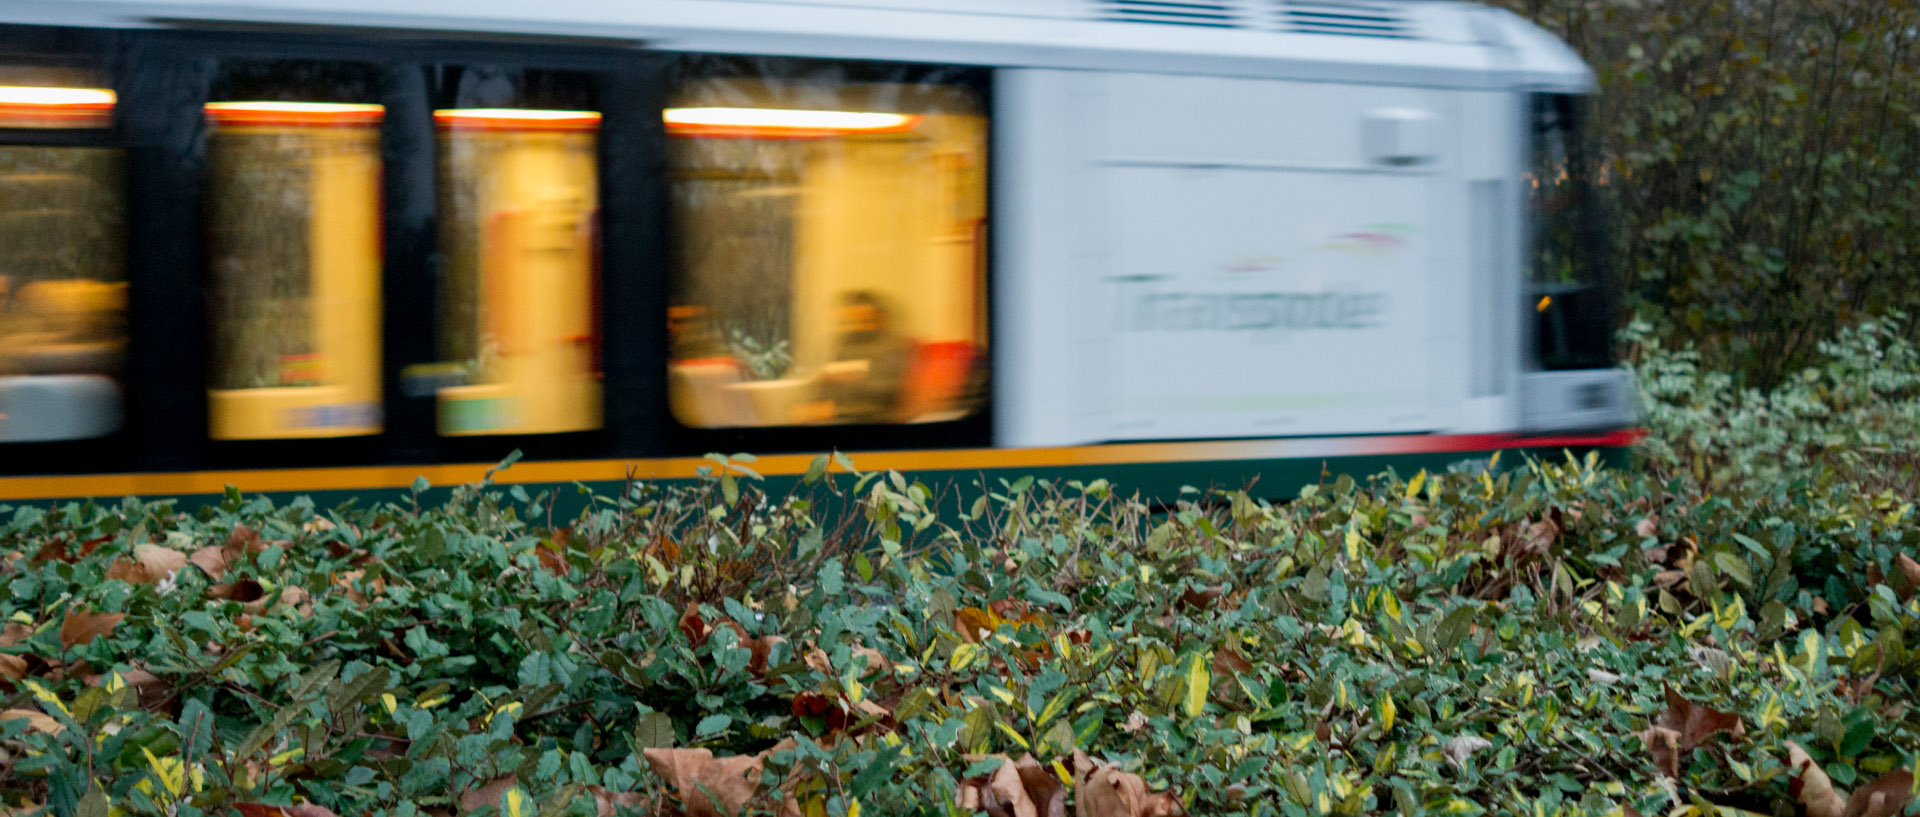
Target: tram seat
<point>700,398</point>
<point>935,378</point>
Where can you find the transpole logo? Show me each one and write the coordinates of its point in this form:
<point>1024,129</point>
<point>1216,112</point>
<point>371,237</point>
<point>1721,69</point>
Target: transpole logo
<point>1251,265</point>
<point>1372,240</point>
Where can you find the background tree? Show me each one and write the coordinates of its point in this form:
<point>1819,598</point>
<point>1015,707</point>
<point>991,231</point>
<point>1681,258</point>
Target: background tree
<point>1763,163</point>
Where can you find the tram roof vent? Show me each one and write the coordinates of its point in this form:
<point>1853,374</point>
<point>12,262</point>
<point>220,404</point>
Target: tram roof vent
<point>1206,13</point>
<point>1353,18</point>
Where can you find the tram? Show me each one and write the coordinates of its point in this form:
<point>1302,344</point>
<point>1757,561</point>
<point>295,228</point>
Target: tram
<point>317,246</point>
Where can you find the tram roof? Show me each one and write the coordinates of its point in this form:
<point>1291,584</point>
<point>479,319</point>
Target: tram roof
<point>1430,43</point>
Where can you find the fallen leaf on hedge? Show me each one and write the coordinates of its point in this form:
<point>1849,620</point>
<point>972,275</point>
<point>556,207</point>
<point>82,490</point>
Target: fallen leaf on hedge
<point>1683,727</point>
<point>1600,676</point>
<point>264,810</point>
<point>1907,568</point>
<point>346,581</point>
<point>1103,790</point>
<point>38,721</point>
<point>212,560</point>
<point>13,667</point>
<point>1015,789</point>
<point>1885,797</point>
<point>1711,659</point>
<point>1200,599</point>
<point>610,803</point>
<point>973,624</point>
<point>129,571</point>
<point>1646,527</point>
<point>145,683</point>
<point>293,596</point>
<point>1458,750</point>
<point>243,539</point>
<point>243,591</point>
<point>159,562</point>
<point>876,661</point>
<point>759,649</point>
<point>1229,663</point>
<point>694,774</point>
<point>81,628</point>
<point>14,633</point>
<point>487,795</point>
<point>1136,721</point>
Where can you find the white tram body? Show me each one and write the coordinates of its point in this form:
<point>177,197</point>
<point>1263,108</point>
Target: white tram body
<point>1209,218</point>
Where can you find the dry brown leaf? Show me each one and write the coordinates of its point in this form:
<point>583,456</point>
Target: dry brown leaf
<point>973,624</point>
<point>610,803</point>
<point>13,667</point>
<point>212,560</point>
<point>1647,527</point>
<point>487,795</point>
<point>81,628</point>
<point>1908,569</point>
<point>243,591</point>
<point>293,596</point>
<point>159,562</point>
<point>38,721</point>
<point>243,540</point>
<point>760,648</point>
<point>1229,663</point>
<point>693,774</point>
<point>1102,790</point>
<point>14,633</point>
<point>264,810</point>
<point>876,662</point>
<point>1683,727</point>
<point>129,571</point>
<point>1014,790</point>
<point>1885,797</point>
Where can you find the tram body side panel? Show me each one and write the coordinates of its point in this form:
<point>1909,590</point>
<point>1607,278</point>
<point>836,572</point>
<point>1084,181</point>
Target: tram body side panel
<point>1191,257</point>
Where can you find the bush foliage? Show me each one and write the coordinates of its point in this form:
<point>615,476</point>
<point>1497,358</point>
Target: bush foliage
<point>1555,638</point>
<point>1763,160</point>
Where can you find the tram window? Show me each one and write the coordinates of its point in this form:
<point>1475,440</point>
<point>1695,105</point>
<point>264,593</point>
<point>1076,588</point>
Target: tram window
<point>62,279</point>
<point>1572,294</point>
<point>293,213</point>
<point>830,232</point>
<point>519,205</point>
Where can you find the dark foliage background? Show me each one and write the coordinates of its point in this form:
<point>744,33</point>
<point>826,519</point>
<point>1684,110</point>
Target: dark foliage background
<point>1763,165</point>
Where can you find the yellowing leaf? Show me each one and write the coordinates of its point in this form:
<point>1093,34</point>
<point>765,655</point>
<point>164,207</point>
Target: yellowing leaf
<point>516,802</point>
<point>1730,614</point>
<point>1387,711</point>
<point>1199,679</point>
<point>1012,734</point>
<point>47,698</point>
<point>963,656</point>
<point>1413,485</point>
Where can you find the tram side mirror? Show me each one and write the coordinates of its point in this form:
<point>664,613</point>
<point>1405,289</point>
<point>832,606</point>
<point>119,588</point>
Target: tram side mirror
<point>1399,137</point>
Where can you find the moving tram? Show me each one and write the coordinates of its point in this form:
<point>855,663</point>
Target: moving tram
<point>326,246</point>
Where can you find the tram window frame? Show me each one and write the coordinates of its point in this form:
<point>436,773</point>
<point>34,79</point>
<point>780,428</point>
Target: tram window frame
<point>184,61</point>
<point>98,53</point>
<point>974,429</point>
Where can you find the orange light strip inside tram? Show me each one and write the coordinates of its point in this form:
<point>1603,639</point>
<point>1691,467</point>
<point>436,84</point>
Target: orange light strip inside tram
<point>34,106</point>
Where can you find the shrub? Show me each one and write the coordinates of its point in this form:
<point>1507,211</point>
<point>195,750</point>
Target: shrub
<point>1558,638</point>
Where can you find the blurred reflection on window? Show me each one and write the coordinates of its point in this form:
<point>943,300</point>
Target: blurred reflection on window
<point>831,243</point>
<point>62,280</point>
<point>293,212</point>
<point>1572,291</point>
<point>519,201</point>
